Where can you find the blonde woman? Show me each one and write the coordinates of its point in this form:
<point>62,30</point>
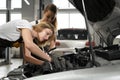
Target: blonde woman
<point>13,30</point>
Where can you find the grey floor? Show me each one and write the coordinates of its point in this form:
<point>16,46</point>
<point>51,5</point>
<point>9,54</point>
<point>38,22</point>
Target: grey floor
<point>4,69</point>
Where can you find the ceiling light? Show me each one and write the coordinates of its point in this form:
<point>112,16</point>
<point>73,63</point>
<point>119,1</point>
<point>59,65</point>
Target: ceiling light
<point>26,1</point>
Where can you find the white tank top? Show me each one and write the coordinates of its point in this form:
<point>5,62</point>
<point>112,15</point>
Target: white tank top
<point>34,22</point>
<point>10,31</point>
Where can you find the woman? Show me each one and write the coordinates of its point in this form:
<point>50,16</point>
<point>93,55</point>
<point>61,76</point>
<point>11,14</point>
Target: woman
<point>13,30</point>
<point>49,15</point>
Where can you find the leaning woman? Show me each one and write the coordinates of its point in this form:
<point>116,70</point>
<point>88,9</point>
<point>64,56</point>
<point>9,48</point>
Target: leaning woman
<point>14,30</point>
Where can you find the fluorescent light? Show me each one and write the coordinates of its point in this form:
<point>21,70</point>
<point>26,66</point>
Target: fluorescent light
<point>26,1</point>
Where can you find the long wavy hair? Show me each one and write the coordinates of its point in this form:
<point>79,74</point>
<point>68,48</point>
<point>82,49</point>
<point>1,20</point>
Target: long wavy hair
<point>52,8</point>
<point>39,27</point>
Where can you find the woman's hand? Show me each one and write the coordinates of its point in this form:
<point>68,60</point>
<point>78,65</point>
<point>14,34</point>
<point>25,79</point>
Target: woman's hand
<point>49,58</point>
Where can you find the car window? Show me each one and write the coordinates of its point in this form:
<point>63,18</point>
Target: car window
<point>72,34</point>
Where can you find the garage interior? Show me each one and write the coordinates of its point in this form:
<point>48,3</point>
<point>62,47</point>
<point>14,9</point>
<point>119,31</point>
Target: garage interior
<point>102,25</point>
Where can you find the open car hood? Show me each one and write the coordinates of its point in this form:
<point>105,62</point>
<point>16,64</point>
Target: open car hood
<point>103,15</point>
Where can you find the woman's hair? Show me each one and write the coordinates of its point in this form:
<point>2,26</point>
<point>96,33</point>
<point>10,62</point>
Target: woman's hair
<point>39,27</point>
<point>52,8</point>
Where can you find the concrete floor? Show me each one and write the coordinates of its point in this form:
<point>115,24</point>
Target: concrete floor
<point>4,69</point>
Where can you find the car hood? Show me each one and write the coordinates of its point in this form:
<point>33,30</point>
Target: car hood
<point>103,15</point>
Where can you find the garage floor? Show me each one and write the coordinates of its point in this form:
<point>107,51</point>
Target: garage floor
<point>4,69</point>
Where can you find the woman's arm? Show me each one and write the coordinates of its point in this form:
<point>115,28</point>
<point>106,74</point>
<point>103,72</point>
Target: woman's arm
<point>31,59</point>
<point>53,42</point>
<point>31,46</point>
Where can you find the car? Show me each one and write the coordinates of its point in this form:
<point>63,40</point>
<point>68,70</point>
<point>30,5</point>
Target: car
<point>99,73</point>
<point>71,37</point>
<point>104,16</point>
